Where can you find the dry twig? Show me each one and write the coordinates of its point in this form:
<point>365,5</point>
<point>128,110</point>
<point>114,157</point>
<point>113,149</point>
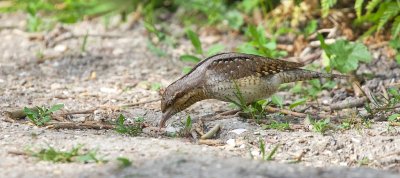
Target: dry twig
<point>211,132</point>
<point>72,125</point>
<point>285,111</point>
<point>211,142</point>
<point>349,104</point>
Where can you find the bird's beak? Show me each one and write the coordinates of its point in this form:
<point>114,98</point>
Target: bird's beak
<point>165,116</point>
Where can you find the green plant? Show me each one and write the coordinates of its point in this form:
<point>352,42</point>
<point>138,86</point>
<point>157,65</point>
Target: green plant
<point>298,102</point>
<point>320,126</point>
<point>156,86</point>
<point>194,39</point>
<point>383,104</point>
<point>259,44</point>
<point>326,5</point>
<point>395,44</point>
<point>124,162</point>
<point>41,115</point>
<point>364,161</point>
<point>159,37</point>
<point>45,12</point>
<point>131,130</point>
<point>346,125</point>
<point>344,56</point>
<point>311,27</point>
<point>277,125</point>
<point>379,13</point>
<point>220,12</point>
<point>187,129</point>
<point>311,91</point>
<point>74,155</point>
<point>277,100</point>
<point>394,118</point>
<point>264,155</point>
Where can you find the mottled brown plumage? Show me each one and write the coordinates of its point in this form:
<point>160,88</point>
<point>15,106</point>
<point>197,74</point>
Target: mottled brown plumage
<point>220,76</point>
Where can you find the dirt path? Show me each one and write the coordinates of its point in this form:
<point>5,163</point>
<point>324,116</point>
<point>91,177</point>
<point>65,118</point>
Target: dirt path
<point>120,70</point>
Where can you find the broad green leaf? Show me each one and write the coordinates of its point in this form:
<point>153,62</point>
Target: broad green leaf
<point>398,59</point>
<point>155,86</point>
<point>194,38</point>
<point>215,49</point>
<point>248,49</point>
<point>190,58</point>
<point>315,83</point>
<point>277,100</point>
<point>55,108</point>
<point>360,52</point>
<point>249,5</point>
<point>121,120</point>
<point>395,44</point>
<point>297,88</point>
<point>394,118</point>
<point>298,102</point>
<point>186,69</point>
<point>125,162</point>
<point>393,91</point>
<point>235,19</point>
<point>345,56</point>
<point>329,85</point>
<point>311,27</point>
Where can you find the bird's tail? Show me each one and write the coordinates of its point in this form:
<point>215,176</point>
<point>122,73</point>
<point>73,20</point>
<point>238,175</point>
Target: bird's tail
<point>302,74</point>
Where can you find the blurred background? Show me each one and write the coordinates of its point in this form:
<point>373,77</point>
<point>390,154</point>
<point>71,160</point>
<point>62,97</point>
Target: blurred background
<point>271,28</point>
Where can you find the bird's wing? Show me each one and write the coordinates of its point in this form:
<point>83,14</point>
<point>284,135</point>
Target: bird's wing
<point>235,66</point>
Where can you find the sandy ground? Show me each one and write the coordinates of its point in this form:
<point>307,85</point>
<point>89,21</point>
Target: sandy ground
<point>121,70</point>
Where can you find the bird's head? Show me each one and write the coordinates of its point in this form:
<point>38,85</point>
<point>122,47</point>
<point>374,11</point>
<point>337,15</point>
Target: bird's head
<point>177,97</point>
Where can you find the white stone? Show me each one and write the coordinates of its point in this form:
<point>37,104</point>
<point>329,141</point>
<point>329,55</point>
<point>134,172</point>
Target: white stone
<point>238,131</point>
<point>231,142</point>
<point>60,48</point>
<point>108,90</point>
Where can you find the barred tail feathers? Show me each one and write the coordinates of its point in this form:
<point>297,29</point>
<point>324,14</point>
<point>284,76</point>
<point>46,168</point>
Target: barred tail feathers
<point>302,74</point>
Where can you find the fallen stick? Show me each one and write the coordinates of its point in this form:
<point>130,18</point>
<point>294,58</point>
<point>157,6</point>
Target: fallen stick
<point>349,104</point>
<point>17,153</point>
<point>20,114</point>
<point>72,125</point>
<point>296,114</point>
<point>227,113</point>
<point>394,123</point>
<point>211,132</point>
<point>211,142</point>
<point>285,111</point>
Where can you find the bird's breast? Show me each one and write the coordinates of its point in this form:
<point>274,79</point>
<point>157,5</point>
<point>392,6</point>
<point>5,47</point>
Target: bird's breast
<point>247,89</point>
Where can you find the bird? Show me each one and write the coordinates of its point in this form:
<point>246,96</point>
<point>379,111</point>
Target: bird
<point>222,75</point>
